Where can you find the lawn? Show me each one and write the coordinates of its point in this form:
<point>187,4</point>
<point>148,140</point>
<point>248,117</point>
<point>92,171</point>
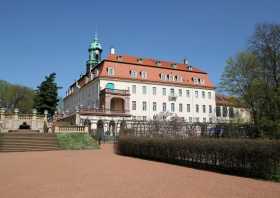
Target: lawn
<point>76,141</point>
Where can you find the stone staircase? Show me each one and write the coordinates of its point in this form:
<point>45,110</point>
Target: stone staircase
<point>19,141</point>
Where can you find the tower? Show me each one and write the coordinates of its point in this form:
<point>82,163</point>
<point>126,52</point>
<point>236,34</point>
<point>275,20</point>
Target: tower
<point>94,51</point>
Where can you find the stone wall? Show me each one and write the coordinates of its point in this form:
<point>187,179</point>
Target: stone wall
<point>12,121</point>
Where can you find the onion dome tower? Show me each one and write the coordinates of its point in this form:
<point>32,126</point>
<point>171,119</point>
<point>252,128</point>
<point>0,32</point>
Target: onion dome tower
<point>95,51</point>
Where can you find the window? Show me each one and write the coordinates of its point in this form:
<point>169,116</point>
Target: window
<point>143,74</point>
<point>218,111</point>
<point>110,71</point>
<point>210,108</point>
<point>231,112</point>
<point>180,107</point>
<point>180,92</point>
<point>195,80</point>
<point>133,74</point>
<point>197,108</point>
<point>162,76</point>
<point>172,107</point>
<point>196,94</point>
<point>204,108</point>
<point>110,86</point>
<point>188,93</point>
<point>144,106</point>
<point>210,120</point>
<point>188,108</point>
<point>144,90</point>
<point>134,89</point>
<point>225,111</point>
<point>203,94</point>
<point>172,92</point>
<point>209,95</point>
<point>154,106</point>
<point>133,105</point>
<point>164,91</point>
<point>204,119</point>
<point>154,90</point>
<point>197,119</point>
<point>164,107</point>
<point>190,119</point>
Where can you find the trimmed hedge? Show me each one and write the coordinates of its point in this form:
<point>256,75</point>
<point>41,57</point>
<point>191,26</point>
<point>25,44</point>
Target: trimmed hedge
<point>246,157</point>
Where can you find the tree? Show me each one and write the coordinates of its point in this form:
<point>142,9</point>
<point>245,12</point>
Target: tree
<point>16,96</point>
<point>254,77</point>
<point>46,97</point>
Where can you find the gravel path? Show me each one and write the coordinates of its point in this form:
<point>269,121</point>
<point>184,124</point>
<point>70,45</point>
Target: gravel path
<point>101,173</point>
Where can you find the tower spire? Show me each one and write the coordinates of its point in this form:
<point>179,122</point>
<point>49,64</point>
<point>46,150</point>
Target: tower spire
<point>95,51</point>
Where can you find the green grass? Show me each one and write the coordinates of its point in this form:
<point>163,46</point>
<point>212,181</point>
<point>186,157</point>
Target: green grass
<point>76,141</point>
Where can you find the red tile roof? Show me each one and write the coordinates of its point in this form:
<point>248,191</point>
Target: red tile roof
<point>150,62</point>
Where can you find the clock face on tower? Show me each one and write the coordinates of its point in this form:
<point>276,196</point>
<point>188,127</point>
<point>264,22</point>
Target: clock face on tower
<point>96,51</point>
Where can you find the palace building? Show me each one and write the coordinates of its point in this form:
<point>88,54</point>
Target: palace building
<point>132,87</point>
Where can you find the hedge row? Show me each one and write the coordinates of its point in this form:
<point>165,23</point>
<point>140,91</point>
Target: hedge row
<point>246,157</point>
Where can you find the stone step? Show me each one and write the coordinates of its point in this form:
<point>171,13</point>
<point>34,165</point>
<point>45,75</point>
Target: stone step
<point>27,138</point>
<point>4,150</point>
<point>27,141</point>
<point>27,134</point>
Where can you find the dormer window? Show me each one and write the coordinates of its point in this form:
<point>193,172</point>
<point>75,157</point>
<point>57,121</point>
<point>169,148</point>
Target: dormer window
<point>158,63</point>
<point>133,74</point>
<point>110,71</point>
<point>195,80</point>
<point>143,74</point>
<point>180,79</point>
<point>162,76</point>
<point>189,67</point>
<point>119,58</point>
<point>140,60</point>
<point>175,78</point>
<point>173,65</point>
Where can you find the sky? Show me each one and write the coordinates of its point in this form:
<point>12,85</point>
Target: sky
<point>38,37</point>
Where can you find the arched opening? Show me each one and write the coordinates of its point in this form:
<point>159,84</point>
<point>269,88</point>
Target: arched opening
<point>112,128</point>
<point>100,131</point>
<point>117,105</point>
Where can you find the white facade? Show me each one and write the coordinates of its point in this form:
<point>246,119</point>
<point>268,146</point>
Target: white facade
<point>148,100</point>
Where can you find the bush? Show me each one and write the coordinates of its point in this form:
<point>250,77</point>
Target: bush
<point>246,157</point>
<point>76,141</point>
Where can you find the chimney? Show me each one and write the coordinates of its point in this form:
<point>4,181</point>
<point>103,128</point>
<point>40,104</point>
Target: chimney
<point>112,50</point>
<point>186,62</point>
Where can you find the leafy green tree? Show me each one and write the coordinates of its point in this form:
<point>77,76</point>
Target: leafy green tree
<point>46,97</point>
<point>254,77</point>
<point>16,96</point>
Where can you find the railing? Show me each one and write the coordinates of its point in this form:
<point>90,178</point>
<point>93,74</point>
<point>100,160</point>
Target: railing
<point>71,129</point>
<point>98,110</point>
<point>172,97</point>
<point>115,91</point>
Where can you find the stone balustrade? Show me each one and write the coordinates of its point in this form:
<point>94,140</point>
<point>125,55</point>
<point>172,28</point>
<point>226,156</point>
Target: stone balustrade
<point>71,129</point>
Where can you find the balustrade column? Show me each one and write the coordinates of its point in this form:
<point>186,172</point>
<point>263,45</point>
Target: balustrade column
<point>16,114</point>
<point>34,114</point>
<point>46,115</point>
<point>2,114</point>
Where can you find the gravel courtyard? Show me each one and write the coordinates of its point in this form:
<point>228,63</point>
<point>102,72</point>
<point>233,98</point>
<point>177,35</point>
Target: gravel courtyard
<point>101,173</point>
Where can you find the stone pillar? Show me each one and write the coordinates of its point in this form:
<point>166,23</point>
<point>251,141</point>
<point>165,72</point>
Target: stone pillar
<point>16,113</point>
<point>2,113</point>
<point>34,114</point>
<point>46,115</point>
<point>77,117</point>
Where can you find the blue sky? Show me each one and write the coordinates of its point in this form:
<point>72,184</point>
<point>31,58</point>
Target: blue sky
<point>39,37</point>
